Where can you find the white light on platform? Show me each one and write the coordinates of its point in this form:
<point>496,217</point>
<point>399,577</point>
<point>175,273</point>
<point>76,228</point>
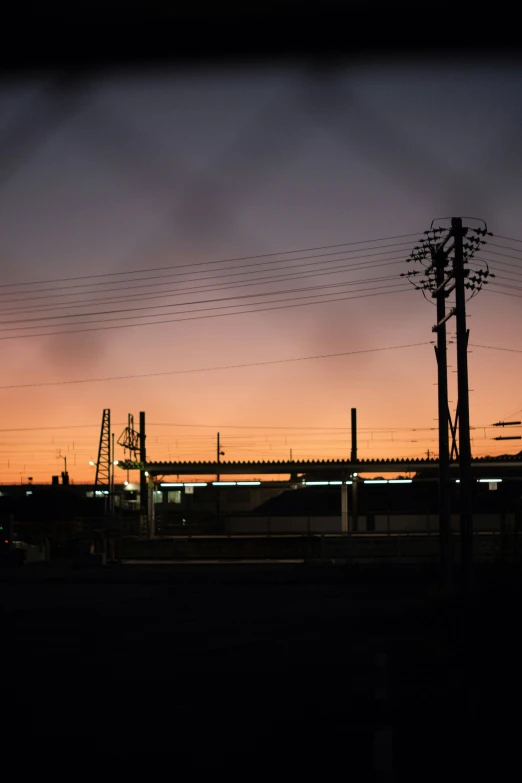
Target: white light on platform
<point>489,481</point>
<point>316,483</point>
<point>194,484</point>
<point>400,481</point>
<point>223,483</point>
<point>248,483</point>
<point>375,481</point>
<point>168,484</point>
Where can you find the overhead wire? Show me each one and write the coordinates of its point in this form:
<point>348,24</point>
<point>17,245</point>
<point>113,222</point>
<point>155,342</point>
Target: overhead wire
<point>173,293</point>
<point>218,261</point>
<point>181,304</point>
<point>210,369</point>
<point>234,298</point>
<point>47,294</point>
<point>511,414</point>
<point>509,239</point>
<point>402,289</point>
<point>496,348</point>
<point>496,261</point>
<point>488,245</point>
<point>226,426</point>
<point>509,279</point>
<point>492,290</point>
<point>498,272</point>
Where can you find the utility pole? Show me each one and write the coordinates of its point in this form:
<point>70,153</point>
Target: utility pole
<point>354,435</point>
<point>112,473</point>
<point>466,513</point>
<point>440,261</point>
<point>218,494</point>
<point>345,520</point>
<point>355,477</point>
<point>144,489</point>
<point>219,455</point>
<point>431,254</point>
<point>65,475</point>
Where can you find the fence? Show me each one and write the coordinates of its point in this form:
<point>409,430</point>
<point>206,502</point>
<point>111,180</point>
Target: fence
<point>370,523</point>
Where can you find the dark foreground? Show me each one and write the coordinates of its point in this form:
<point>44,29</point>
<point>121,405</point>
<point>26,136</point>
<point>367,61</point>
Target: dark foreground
<point>370,674</point>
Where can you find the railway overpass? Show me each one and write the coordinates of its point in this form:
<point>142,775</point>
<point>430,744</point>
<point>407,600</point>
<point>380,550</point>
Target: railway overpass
<point>335,468</point>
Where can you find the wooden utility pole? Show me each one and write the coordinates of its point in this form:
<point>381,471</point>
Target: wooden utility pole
<point>458,280</point>
<point>355,477</point>
<point>466,512</point>
<point>440,261</point>
<point>219,454</point>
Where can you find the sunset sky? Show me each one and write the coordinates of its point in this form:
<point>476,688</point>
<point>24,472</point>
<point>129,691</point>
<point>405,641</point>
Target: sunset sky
<point>190,171</point>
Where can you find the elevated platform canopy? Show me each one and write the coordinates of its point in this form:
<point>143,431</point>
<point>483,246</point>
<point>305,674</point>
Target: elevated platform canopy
<point>334,468</point>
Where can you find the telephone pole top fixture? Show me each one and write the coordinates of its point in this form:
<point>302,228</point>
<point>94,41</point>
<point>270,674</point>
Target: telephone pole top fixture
<point>442,255</point>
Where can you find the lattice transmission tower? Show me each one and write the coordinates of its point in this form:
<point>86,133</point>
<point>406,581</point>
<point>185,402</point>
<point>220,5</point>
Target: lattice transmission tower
<point>103,464</point>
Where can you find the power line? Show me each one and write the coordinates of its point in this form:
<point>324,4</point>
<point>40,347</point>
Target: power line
<point>47,293</point>
<point>56,427</point>
<point>496,348</point>
<point>494,265</point>
<point>511,279</point>
<point>210,369</point>
<point>503,255</point>
<point>175,292</point>
<point>495,261</point>
<point>206,263</point>
<point>511,414</point>
<point>503,247</point>
<point>321,429</point>
<point>498,271</point>
<point>201,317</point>
<point>499,293</point>
<point>509,239</point>
<point>196,302</point>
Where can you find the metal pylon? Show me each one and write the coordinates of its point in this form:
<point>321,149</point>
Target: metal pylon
<point>103,465</point>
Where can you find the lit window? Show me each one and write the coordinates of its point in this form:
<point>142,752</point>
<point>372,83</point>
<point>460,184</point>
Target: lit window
<point>174,496</point>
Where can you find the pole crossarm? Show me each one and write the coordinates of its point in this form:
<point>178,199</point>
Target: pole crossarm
<point>440,258</point>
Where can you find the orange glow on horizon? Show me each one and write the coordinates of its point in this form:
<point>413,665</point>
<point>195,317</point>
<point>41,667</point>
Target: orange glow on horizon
<point>190,183</point>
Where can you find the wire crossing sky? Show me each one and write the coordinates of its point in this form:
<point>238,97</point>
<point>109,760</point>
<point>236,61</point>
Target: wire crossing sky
<point>228,247</point>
